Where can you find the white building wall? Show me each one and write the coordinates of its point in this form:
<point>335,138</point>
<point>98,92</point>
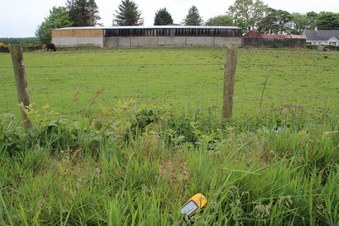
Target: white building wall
<point>154,41</point>
<point>78,41</point>
<point>95,36</point>
<point>332,41</point>
<point>171,41</point>
<point>324,42</point>
<point>317,42</point>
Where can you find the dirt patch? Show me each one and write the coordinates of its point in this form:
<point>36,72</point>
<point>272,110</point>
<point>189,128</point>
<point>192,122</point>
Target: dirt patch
<point>288,107</point>
<point>174,171</point>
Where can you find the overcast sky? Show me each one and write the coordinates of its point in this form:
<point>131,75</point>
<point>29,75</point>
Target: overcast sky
<point>20,18</point>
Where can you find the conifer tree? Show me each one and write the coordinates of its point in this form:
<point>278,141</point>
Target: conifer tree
<point>193,17</point>
<point>163,17</point>
<point>83,12</point>
<point>128,14</point>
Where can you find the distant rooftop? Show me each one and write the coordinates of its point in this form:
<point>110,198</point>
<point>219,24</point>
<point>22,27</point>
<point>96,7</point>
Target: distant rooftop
<point>321,34</point>
<point>255,33</point>
<point>150,27</point>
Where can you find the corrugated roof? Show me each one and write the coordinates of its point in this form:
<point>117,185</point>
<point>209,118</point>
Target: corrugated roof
<point>253,33</point>
<point>275,36</point>
<point>296,36</point>
<point>321,34</point>
<point>150,27</point>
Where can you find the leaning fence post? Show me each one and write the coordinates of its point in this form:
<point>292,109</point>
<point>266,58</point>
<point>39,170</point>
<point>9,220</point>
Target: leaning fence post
<point>229,77</point>
<point>21,83</point>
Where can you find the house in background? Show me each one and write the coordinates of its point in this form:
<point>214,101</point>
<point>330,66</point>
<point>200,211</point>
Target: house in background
<point>322,37</point>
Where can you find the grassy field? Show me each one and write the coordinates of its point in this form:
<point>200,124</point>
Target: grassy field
<point>182,78</point>
<point>125,137</point>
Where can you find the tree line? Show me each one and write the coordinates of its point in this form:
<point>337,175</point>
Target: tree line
<point>247,14</point>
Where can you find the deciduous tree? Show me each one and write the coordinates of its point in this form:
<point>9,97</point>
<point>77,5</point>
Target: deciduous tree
<point>247,13</point>
<point>283,21</point>
<point>276,22</point>
<point>328,21</point>
<point>128,14</point>
<point>222,20</point>
<point>299,23</point>
<point>58,17</point>
<point>311,20</point>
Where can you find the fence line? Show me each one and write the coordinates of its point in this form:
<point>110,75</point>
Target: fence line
<point>183,85</point>
<point>138,65</point>
<point>61,95</point>
<point>21,83</point>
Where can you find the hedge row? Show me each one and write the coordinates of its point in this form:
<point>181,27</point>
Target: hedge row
<point>326,48</point>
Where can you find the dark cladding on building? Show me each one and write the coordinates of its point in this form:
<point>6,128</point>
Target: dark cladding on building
<point>174,31</point>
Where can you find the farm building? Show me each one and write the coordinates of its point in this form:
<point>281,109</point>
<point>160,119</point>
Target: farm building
<point>255,38</point>
<point>256,34</point>
<point>322,37</point>
<point>137,36</point>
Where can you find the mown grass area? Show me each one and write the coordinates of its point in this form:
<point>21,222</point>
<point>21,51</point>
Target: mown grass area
<point>190,78</point>
<point>139,169</point>
<point>103,155</point>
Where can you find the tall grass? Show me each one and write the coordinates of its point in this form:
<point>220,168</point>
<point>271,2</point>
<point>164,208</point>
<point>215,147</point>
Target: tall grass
<point>138,167</point>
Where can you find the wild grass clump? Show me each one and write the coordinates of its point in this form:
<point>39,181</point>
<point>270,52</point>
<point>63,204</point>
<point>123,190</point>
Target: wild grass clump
<point>137,166</point>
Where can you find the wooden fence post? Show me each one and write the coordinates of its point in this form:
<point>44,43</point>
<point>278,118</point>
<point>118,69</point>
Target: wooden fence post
<point>21,83</point>
<point>229,77</point>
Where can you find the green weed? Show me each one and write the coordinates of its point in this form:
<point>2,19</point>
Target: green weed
<point>79,173</point>
<point>126,162</point>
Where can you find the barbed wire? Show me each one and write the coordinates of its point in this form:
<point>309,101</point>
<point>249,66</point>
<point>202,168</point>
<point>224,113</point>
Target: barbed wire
<point>61,92</point>
<point>162,64</point>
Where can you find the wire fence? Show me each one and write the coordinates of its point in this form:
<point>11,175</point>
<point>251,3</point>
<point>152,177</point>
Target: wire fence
<point>68,82</point>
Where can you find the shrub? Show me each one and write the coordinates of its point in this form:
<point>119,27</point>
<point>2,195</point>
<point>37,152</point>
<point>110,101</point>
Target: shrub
<point>333,48</point>
<point>310,46</point>
<point>3,48</point>
<point>328,47</point>
<point>32,46</point>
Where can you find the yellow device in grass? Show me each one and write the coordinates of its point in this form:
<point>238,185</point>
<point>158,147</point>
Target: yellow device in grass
<point>194,204</point>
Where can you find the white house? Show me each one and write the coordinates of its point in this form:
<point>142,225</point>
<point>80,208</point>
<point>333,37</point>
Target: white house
<point>322,37</point>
